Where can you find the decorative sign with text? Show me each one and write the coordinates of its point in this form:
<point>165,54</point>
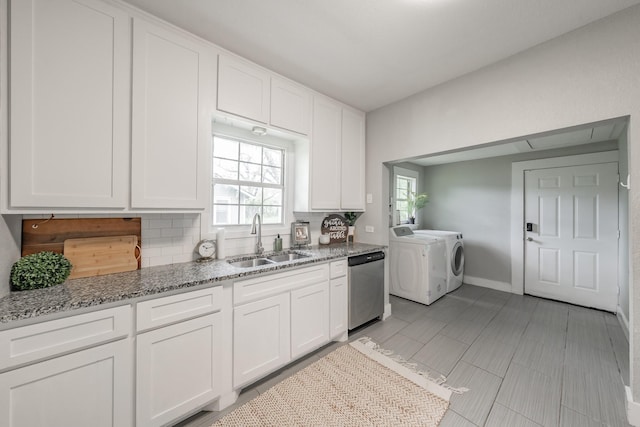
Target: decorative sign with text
<point>336,227</point>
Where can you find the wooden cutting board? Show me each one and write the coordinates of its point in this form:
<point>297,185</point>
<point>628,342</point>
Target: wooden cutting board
<point>95,256</point>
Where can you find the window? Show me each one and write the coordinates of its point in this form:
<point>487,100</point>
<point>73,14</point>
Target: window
<point>248,178</point>
<point>405,183</point>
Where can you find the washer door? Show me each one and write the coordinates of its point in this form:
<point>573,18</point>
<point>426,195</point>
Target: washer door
<point>457,259</point>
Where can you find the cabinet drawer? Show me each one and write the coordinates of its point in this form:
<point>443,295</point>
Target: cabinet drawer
<point>338,268</point>
<point>175,308</point>
<point>261,287</point>
<point>44,340</point>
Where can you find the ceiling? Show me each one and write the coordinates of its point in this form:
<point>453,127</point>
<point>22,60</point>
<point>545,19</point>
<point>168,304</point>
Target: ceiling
<point>370,53</point>
<point>600,132</point>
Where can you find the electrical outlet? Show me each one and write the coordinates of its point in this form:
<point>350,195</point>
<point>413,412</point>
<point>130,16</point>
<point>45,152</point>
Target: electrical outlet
<point>369,198</point>
<point>368,228</point>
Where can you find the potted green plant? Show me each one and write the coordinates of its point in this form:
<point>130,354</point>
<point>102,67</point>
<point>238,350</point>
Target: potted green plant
<point>415,202</point>
<point>39,270</point>
<point>351,218</point>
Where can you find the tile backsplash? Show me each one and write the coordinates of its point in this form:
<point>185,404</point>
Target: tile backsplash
<point>169,238</point>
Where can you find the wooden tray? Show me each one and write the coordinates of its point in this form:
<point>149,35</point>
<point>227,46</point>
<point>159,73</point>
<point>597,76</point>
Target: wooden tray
<point>95,256</point>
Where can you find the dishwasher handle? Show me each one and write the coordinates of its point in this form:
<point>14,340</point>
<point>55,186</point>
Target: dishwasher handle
<point>365,258</point>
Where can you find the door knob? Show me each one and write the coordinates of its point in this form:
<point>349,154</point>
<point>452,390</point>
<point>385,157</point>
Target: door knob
<point>529,239</point>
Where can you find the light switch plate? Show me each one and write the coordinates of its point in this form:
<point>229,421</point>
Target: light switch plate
<point>369,198</point>
<point>368,228</point>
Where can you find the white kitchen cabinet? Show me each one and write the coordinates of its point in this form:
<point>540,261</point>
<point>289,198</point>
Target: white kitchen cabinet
<point>290,106</point>
<point>74,371</point>
<point>243,89</point>
<point>178,369</point>
<point>172,105</point>
<point>325,154</point>
<point>339,296</point>
<point>69,121</point>
<point>261,338</point>
<point>352,175</point>
<point>330,170</point>
<point>309,318</point>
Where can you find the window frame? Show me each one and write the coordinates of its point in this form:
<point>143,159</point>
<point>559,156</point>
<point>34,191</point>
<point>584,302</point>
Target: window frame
<point>399,172</point>
<point>242,183</point>
<point>285,142</point>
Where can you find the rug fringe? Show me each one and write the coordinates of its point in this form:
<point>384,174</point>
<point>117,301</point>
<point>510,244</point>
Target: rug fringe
<point>441,380</point>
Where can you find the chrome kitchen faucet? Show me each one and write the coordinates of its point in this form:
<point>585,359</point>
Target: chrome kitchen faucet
<point>259,248</point>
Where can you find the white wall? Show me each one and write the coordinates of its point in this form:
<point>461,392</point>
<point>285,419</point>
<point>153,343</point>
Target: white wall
<point>10,237</point>
<point>588,75</point>
<point>474,198</point>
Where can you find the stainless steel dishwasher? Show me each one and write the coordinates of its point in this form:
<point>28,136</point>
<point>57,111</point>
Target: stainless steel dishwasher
<point>366,288</point>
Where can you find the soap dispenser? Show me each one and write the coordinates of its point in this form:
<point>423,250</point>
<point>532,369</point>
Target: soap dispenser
<point>277,244</point>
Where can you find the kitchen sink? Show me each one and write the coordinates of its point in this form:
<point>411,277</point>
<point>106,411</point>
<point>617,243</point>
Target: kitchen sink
<point>270,260</point>
<point>287,257</point>
<point>252,262</point>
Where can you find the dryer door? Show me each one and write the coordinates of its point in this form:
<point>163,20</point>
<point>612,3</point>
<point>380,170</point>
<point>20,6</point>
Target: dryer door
<point>457,259</point>
<point>407,271</point>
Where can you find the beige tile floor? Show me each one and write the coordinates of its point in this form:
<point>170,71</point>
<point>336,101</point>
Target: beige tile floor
<point>526,361</point>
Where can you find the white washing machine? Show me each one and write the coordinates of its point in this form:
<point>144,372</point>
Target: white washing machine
<point>417,265</point>
<point>455,255</point>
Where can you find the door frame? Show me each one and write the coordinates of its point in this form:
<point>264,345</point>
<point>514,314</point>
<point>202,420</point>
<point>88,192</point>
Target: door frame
<point>517,203</point>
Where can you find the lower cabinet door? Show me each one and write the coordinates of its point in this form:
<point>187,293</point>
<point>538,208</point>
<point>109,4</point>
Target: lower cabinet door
<point>261,341</point>
<point>339,309</point>
<point>91,387</point>
<point>178,369</point>
<point>309,318</point>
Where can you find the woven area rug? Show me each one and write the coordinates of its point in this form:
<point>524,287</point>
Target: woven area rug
<point>355,385</point>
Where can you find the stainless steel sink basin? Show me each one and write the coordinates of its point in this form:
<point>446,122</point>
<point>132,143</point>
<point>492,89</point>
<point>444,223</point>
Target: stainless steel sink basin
<point>272,259</point>
<point>252,262</point>
<point>287,257</point>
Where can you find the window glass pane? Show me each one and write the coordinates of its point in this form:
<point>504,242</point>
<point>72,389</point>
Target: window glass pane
<point>272,197</point>
<point>262,170</point>
<point>250,153</point>
<point>225,169</point>
<point>272,215</point>
<point>225,148</point>
<point>225,194</point>
<point>247,213</point>
<point>250,172</point>
<point>225,214</point>
<point>272,157</point>
<point>250,195</point>
<point>401,194</point>
<point>271,175</point>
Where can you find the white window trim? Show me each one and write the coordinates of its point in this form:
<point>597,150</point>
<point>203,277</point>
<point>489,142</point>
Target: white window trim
<point>207,230</point>
<point>397,170</point>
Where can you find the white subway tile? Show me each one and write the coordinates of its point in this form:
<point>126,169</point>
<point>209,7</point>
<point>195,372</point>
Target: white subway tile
<point>159,223</point>
<point>160,260</point>
<point>171,250</point>
<point>182,258</point>
<point>149,252</point>
<point>171,232</point>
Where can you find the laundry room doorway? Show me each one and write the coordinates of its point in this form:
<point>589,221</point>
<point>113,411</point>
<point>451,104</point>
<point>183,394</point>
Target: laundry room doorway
<point>571,234</point>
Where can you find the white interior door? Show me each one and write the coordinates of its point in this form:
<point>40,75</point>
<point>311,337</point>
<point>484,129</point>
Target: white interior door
<point>571,253</point>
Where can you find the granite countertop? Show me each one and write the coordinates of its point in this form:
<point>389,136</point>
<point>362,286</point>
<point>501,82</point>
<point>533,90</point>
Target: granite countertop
<point>97,290</point>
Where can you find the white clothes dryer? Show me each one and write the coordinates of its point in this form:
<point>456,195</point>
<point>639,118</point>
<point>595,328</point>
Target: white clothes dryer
<point>417,265</point>
<point>455,255</point>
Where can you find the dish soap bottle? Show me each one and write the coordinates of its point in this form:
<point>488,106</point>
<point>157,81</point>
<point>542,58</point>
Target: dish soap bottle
<point>277,244</point>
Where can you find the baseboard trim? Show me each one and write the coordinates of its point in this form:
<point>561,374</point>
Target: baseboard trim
<point>387,311</point>
<point>486,283</point>
<point>633,408</point>
<point>624,322</point>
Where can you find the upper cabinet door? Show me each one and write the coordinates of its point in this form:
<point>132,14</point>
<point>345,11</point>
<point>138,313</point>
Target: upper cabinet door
<point>171,119</point>
<point>326,154</point>
<point>290,106</point>
<point>353,160</point>
<point>243,89</point>
<point>69,121</point>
